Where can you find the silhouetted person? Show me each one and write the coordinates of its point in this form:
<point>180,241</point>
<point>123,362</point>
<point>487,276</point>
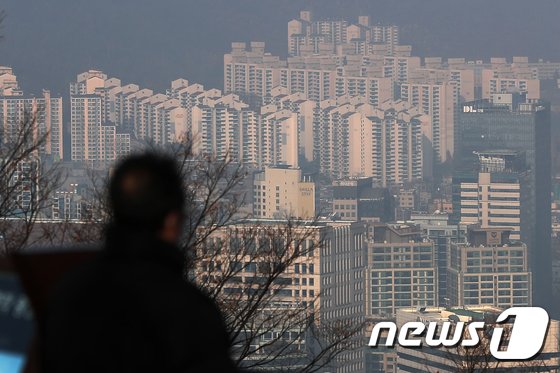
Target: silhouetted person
<point>131,309</point>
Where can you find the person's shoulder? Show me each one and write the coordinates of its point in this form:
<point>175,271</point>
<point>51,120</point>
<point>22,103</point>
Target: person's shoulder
<point>197,294</point>
<point>79,279</point>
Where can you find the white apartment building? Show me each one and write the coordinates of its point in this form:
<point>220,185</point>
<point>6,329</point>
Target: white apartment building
<point>107,116</point>
<point>356,139</point>
<point>252,72</point>
<point>463,79</point>
<point>439,101</point>
<point>308,36</point>
<point>279,137</point>
<point>501,76</point>
<point>46,114</point>
<point>85,128</point>
<point>226,127</point>
<point>297,103</point>
<point>190,95</point>
<point>8,82</point>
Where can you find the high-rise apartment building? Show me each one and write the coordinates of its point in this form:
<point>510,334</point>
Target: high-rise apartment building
<point>508,122</point>
<point>282,192</point>
<point>400,68</point>
<point>375,90</point>
<point>296,103</point>
<point>86,128</point>
<point>23,188</point>
<point>8,82</point>
<point>332,135</point>
<point>498,75</point>
<point>433,72</point>
<point>254,73</point>
<point>218,126</point>
<point>70,205</point>
<point>92,137</point>
<point>347,137</point>
<point>107,117</point>
<point>386,143</point>
<point>308,36</point>
<point>226,127</point>
<point>189,96</point>
<point>439,102</point>
<point>503,77</point>
<point>279,136</point>
<point>43,113</point>
<point>494,82</point>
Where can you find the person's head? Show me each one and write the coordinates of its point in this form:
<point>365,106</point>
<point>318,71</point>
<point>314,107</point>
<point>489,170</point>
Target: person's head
<point>146,194</point>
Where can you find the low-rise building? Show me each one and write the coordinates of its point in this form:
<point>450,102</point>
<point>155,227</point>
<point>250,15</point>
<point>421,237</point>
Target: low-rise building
<point>283,192</point>
<point>470,359</point>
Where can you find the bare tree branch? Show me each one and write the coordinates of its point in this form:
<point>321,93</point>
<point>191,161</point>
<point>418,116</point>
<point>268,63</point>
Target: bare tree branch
<point>26,182</point>
<point>245,266</point>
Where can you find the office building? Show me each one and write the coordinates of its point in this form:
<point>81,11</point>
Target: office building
<point>438,229</point>
<point>401,271</point>
<point>509,122</point>
<point>327,278</point>
<point>496,195</point>
<point>357,199</point>
<point>489,270</point>
<point>282,192</point>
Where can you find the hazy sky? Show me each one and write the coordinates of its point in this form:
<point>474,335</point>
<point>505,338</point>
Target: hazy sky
<point>151,42</point>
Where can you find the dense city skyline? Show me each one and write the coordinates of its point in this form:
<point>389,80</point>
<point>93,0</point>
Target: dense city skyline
<point>154,43</point>
<point>335,165</point>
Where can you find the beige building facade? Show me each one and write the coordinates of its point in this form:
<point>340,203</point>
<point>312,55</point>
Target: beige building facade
<point>283,192</point>
<point>492,201</point>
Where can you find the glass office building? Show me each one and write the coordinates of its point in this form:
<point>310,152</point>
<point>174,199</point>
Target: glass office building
<point>509,122</point>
